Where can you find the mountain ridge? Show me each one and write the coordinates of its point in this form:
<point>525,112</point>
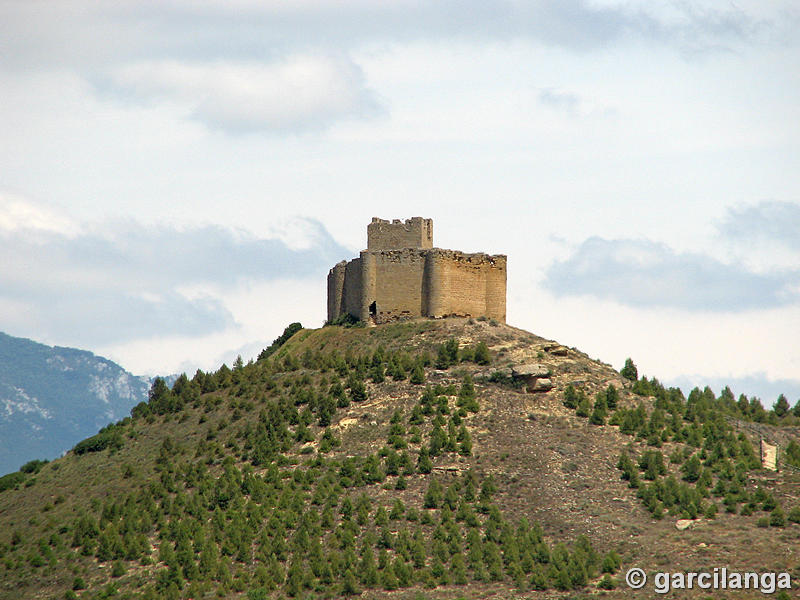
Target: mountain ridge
<point>54,396</point>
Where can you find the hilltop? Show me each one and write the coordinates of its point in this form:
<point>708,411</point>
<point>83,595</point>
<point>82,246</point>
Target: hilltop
<point>421,459</point>
<point>52,396</point>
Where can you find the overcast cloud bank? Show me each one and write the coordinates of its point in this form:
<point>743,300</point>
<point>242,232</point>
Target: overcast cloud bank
<point>119,282</point>
<point>643,273</point>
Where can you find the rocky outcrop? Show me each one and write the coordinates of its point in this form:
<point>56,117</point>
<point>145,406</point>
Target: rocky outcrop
<point>556,350</point>
<point>541,385</point>
<point>530,371</point>
<point>535,376</point>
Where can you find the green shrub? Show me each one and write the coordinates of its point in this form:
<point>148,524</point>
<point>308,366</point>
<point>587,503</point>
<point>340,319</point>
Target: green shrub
<point>33,466</point>
<point>417,375</point>
<point>118,570</point>
<point>611,563</point>
<point>794,515</point>
<point>777,518</point>
<point>607,582</point>
<point>11,480</point>
<point>259,593</point>
<point>281,340</point>
<point>571,397</point>
<point>447,354</point>
<point>108,437</point>
<point>482,356</point>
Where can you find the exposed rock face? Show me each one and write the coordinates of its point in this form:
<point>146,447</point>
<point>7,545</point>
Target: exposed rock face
<point>556,350</point>
<point>535,375</point>
<point>541,385</point>
<point>769,456</point>
<point>530,371</point>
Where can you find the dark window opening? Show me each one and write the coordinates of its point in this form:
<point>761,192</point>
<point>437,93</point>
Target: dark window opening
<point>373,309</point>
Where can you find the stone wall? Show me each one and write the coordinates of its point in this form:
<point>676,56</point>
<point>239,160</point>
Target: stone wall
<point>336,290</point>
<point>401,275</point>
<point>466,284</point>
<point>413,282</point>
<point>344,289</point>
<point>394,235</point>
<point>352,290</point>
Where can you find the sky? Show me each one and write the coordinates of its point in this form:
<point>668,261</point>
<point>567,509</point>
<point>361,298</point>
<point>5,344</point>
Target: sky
<point>176,178</point>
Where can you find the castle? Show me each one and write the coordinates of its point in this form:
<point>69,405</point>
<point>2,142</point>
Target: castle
<point>401,275</point>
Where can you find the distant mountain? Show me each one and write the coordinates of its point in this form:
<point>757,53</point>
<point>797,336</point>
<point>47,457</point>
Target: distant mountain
<point>53,397</point>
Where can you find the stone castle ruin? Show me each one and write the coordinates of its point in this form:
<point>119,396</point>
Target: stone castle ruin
<point>401,275</point>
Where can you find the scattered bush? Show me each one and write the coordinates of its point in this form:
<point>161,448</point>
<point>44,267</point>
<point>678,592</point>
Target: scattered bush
<point>280,340</point>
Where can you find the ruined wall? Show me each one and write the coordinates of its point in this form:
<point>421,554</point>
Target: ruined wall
<point>352,288</point>
<point>344,289</point>
<point>466,284</point>
<point>394,235</point>
<point>413,282</point>
<point>399,276</point>
<point>336,290</point>
<point>496,284</point>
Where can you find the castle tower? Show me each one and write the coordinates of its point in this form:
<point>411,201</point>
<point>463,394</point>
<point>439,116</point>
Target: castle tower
<point>415,232</point>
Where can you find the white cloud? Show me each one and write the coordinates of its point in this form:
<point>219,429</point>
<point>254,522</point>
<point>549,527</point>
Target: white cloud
<point>299,93</point>
<point>18,214</point>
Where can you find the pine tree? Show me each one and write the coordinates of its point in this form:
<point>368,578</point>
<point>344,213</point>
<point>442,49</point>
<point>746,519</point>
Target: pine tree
<point>482,356</point>
<point>600,410</point>
<point>781,406</point>
<point>389,579</point>
<point>691,469</point>
<point>417,375</point>
<point>584,407</point>
<point>433,495</point>
<point>459,569</point>
<point>294,580</point>
<point>612,397</point>
<point>349,587</point>
<point>424,462</point>
<point>629,371</point>
<point>571,397</point>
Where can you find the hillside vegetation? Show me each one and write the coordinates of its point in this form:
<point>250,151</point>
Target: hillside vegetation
<point>408,460</point>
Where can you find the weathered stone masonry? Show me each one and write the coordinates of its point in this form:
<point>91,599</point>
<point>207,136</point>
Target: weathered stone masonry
<point>402,275</point>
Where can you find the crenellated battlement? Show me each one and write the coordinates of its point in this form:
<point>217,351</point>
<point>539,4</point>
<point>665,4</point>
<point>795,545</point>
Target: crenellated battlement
<point>415,232</point>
